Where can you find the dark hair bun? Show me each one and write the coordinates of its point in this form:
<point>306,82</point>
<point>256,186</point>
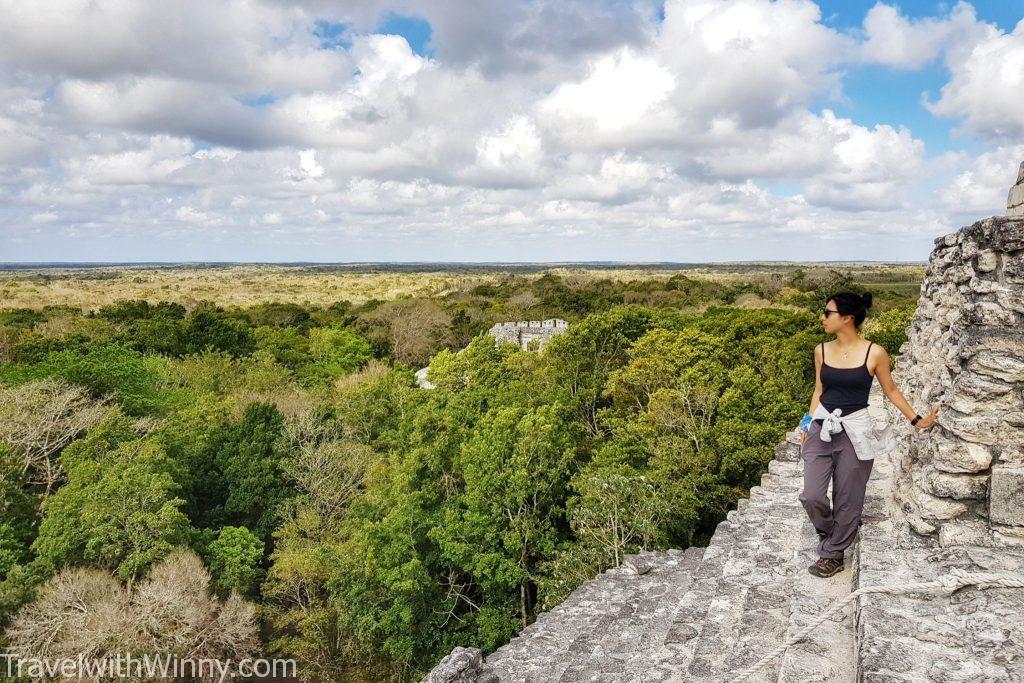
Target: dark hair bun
<point>866,298</point>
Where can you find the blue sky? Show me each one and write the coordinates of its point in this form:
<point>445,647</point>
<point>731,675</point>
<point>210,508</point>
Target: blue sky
<point>495,130</point>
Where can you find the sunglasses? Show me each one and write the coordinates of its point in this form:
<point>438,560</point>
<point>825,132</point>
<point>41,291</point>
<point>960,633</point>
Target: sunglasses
<point>829,311</point>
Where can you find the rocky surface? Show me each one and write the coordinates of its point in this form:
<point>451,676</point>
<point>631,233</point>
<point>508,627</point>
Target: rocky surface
<point>965,355</point>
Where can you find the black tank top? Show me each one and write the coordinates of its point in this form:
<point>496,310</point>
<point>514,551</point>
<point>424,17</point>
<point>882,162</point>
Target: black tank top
<point>845,388</point>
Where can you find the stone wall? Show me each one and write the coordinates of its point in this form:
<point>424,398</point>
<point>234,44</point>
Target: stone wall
<point>529,335</point>
<point>964,478</point>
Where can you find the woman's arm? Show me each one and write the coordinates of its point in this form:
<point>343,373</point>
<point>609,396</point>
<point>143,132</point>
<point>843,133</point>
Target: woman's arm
<point>816,396</point>
<point>817,379</point>
<point>893,393</point>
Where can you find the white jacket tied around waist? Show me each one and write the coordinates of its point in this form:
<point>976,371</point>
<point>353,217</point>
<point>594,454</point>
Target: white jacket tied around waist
<point>867,441</point>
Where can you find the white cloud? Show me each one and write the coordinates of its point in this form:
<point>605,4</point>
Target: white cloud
<point>191,215</point>
<point>536,120</point>
<point>154,163</point>
<point>980,188</point>
<point>895,40</point>
<point>620,89</point>
<point>753,61</point>
<point>45,217</point>
<point>987,85</point>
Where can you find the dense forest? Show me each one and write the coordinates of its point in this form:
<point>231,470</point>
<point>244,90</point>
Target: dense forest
<point>273,471</point>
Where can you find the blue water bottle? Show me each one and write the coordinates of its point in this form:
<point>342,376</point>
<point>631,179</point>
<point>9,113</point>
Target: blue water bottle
<point>805,423</point>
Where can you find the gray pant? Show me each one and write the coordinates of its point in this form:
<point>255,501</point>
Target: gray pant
<point>834,461</point>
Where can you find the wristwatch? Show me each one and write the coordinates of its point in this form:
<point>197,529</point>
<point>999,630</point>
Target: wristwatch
<point>914,421</point>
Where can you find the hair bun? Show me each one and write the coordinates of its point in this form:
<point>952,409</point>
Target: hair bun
<point>866,299</point>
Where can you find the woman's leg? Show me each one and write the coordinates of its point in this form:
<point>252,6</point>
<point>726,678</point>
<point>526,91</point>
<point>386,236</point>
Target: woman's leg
<point>849,483</point>
<point>818,466</point>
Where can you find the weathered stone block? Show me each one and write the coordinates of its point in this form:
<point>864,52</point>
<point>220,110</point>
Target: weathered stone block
<point>957,486</point>
<point>987,261</point>
<point>1008,233</point>
<point>1013,268</point>
<point>965,532</point>
<point>961,456</point>
<point>990,313</point>
<point>998,365</point>
<point>1011,299</point>
<point>1006,504</point>
<point>979,429</point>
<point>1008,535</point>
<point>1012,453</point>
<point>1015,201</point>
<point>931,507</point>
<point>462,665</point>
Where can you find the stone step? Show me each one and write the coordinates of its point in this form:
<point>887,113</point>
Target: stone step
<point>730,538</point>
<point>638,625</point>
<point>734,595</point>
<point>753,610</point>
<point>710,613</point>
<point>828,653</point>
<point>542,650</point>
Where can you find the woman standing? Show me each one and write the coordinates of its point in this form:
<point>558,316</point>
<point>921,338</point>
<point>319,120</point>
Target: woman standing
<point>840,444</point>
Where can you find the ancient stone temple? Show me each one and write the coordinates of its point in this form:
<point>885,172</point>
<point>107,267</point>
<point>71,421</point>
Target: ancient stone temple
<point>530,335</point>
<point>943,502</point>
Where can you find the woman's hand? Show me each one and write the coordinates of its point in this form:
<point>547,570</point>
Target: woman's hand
<point>926,422</point>
<point>803,438</point>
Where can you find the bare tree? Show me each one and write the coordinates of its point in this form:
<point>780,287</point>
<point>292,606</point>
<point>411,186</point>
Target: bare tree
<point>332,473</point>
<point>39,418</point>
<point>684,410</point>
<point>78,611</point>
<point>416,329</point>
<point>88,612</point>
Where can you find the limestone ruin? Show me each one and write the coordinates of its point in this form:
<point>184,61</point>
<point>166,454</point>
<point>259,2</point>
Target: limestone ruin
<point>949,498</point>
<point>529,335</point>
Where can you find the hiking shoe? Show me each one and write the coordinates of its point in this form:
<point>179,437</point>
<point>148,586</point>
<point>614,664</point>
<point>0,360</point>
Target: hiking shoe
<point>826,567</point>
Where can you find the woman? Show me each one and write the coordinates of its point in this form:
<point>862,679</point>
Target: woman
<point>840,444</point>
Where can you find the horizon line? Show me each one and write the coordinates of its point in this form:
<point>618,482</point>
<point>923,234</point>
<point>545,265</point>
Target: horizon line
<point>54,264</point>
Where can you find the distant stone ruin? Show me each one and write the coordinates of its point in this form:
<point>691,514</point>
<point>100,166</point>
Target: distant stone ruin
<point>529,335</point>
<point>943,500</point>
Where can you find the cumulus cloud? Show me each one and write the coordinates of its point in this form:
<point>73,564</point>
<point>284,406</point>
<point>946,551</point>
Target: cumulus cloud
<point>987,84</point>
<point>982,182</point>
<point>574,129</point>
<point>894,40</point>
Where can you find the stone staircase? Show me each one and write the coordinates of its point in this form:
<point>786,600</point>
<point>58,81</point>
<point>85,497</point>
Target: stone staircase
<point>699,614</point>
<point>704,614</point>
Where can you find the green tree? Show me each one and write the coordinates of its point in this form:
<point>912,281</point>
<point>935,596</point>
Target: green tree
<point>234,559</point>
<point>211,329</point>
<point>254,484</point>
<point>118,508</point>
<point>336,351</point>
